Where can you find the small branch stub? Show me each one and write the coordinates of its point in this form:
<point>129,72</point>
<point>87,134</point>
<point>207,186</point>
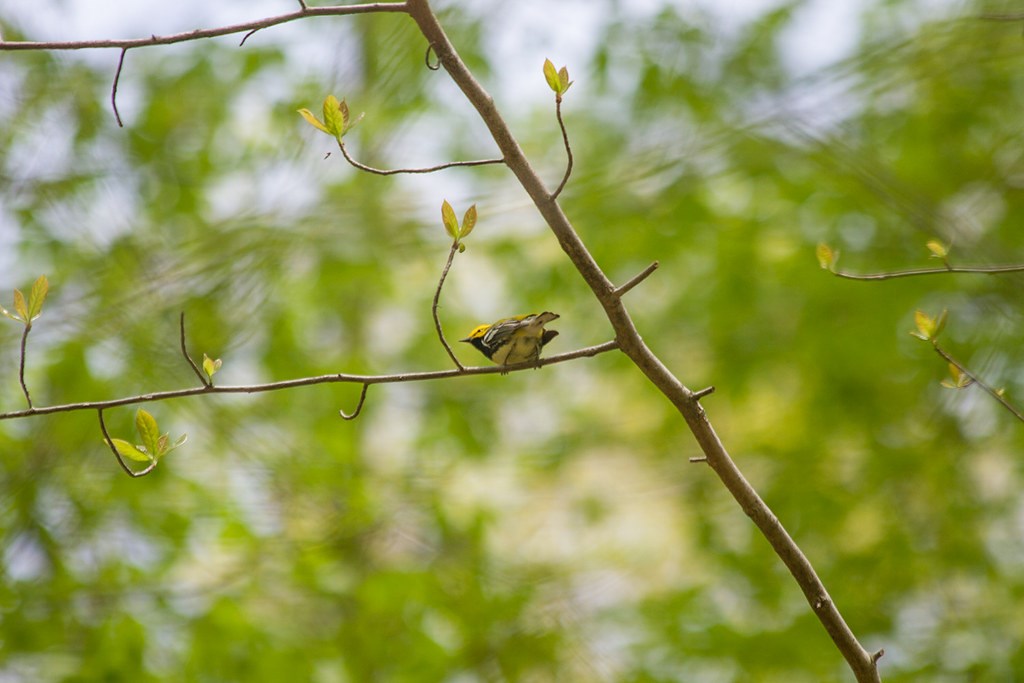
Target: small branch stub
<point>636,279</point>
<point>701,393</point>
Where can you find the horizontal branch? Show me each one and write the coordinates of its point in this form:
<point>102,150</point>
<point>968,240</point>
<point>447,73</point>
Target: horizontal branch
<point>199,34</point>
<point>309,381</point>
<point>914,272</point>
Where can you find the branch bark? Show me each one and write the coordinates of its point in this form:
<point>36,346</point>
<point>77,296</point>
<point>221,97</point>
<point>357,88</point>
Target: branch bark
<point>630,342</point>
<point>199,34</point>
<point>336,378</point>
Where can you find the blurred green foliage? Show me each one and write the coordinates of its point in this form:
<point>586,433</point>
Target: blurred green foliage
<point>546,525</point>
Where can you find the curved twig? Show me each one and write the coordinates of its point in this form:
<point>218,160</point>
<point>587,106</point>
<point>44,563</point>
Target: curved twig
<point>21,363</point>
<point>437,298</point>
<point>426,59</point>
<point>208,383</point>
<point>568,149</point>
<point>636,279</point>
<point>113,89</point>
<point>431,169</point>
<point>359,406</point>
<point>338,378</point>
<point>120,461</point>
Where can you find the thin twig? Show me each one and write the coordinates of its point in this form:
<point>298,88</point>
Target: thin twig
<point>339,378</point>
<point>568,149</point>
<point>246,37</point>
<point>431,169</point>
<point>200,34</point>
<point>359,406</point>
<point>120,461</point>
<point>983,270</point>
<point>113,89</point>
<point>21,363</point>
<point>988,389</point>
<point>195,368</point>
<point>437,298</point>
<point>636,279</point>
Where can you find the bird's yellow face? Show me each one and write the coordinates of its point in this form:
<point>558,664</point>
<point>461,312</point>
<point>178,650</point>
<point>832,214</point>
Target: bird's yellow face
<point>478,331</point>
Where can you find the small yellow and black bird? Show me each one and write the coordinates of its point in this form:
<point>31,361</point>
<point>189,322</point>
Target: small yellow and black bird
<point>514,340</point>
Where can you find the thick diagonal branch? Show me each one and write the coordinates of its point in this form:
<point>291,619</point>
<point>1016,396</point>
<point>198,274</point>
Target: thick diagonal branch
<point>861,662</point>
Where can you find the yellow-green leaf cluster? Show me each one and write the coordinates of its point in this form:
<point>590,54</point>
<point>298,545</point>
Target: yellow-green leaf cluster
<point>27,310</point>
<point>558,80</point>
<point>336,118</point>
<point>154,444</point>
<point>827,257</point>
<point>451,223</point>
<point>928,327</point>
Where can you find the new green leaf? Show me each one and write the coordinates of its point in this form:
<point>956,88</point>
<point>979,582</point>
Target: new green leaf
<point>313,120</point>
<point>960,379</point>
<point>19,305</point>
<point>928,328</point>
<point>148,431</point>
<point>826,256</point>
<point>129,451</point>
<point>334,116</point>
<point>551,76</point>
<point>210,366</point>
<point>37,296</point>
<point>468,222</point>
<point>558,79</point>
<point>451,223</point>
<point>938,249</point>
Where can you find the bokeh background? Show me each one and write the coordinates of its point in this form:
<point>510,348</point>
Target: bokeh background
<point>544,526</point>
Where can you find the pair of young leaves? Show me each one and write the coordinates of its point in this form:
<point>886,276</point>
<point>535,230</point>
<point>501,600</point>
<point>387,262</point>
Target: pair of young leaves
<point>27,310</point>
<point>154,444</point>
